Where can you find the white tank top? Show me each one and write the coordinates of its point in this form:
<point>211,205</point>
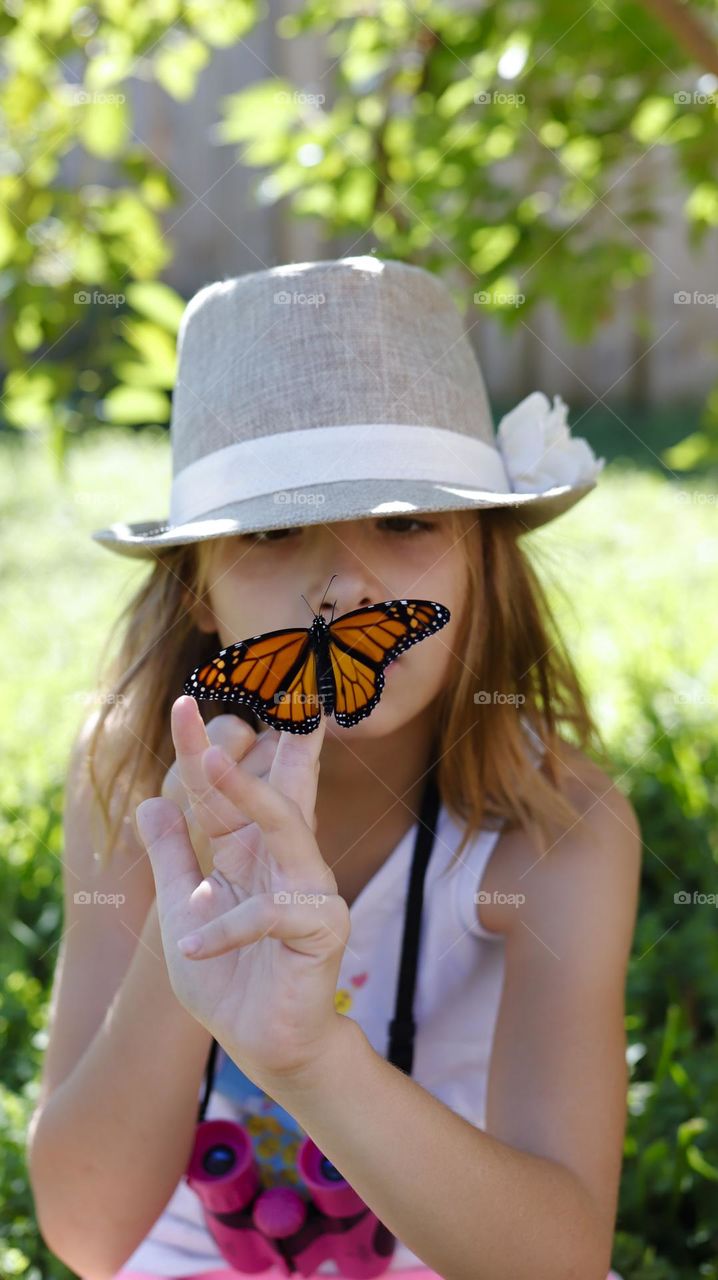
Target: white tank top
<point>458,988</point>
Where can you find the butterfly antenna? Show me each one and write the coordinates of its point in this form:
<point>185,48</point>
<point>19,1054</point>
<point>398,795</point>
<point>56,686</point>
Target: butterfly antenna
<point>304,598</point>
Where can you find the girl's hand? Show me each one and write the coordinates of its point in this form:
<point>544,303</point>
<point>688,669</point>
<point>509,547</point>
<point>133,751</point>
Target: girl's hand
<point>239,741</point>
<point>272,924</point>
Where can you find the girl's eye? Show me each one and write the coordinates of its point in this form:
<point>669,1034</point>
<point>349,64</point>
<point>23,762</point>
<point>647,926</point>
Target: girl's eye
<point>405,520</point>
<point>277,535</point>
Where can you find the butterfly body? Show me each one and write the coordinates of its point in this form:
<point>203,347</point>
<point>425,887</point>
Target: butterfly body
<point>319,639</point>
<point>288,677</point>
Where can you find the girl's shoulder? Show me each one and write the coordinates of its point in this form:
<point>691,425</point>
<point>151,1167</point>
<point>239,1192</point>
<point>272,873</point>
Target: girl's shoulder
<point>576,861</point>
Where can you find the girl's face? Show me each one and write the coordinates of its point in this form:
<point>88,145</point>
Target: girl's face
<point>257,580</point>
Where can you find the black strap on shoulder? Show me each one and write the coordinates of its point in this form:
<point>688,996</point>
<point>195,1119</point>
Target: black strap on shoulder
<point>209,1080</point>
<point>402,1027</point>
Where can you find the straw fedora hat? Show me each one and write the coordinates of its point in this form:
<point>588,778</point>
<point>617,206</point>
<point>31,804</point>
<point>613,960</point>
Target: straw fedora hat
<point>322,391</point>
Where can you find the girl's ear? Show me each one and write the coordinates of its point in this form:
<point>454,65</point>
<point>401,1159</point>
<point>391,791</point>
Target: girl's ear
<point>202,616</point>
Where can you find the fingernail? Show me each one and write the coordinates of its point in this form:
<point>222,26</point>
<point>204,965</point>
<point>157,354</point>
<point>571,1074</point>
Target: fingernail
<point>191,944</point>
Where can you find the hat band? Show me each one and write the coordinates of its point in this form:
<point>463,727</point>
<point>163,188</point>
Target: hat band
<point>321,455</point>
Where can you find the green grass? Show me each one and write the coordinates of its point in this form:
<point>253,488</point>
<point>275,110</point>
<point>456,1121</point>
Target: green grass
<point>631,571</point>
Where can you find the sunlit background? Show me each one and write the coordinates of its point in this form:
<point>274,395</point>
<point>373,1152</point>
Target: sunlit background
<point>559,169</point>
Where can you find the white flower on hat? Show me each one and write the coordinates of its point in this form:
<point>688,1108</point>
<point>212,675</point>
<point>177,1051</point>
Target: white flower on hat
<point>538,449</point>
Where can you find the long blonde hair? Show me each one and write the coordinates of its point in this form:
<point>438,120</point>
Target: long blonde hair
<point>511,656</point>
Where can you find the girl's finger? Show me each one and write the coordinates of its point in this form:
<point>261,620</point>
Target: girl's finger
<point>210,809</point>
<point>230,733</point>
<point>295,768</point>
<point>291,917</point>
<point>288,837</point>
<point>164,833</point>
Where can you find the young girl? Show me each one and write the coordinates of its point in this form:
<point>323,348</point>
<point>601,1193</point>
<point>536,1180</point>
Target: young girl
<point>331,426</point>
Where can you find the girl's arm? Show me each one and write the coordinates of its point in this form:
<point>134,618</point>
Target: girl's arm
<point>114,1124</point>
<point>534,1195</point>
<point>114,1139</point>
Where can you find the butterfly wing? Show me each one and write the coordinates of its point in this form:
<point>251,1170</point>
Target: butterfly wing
<point>274,674</point>
<point>362,643</point>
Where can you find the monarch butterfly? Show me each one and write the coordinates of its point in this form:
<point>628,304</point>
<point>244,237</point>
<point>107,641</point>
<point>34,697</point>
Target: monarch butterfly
<point>286,677</point>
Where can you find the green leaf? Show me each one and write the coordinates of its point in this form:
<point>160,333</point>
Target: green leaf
<point>136,405</point>
<point>26,397</point>
<point>699,1164</point>
<point>103,128</point>
<point>651,119</point>
<point>158,302</point>
<point>702,204</point>
<point>223,24</point>
<point>178,64</point>
<point>266,108</point>
<point>156,347</point>
<point>491,246</point>
<point>8,238</point>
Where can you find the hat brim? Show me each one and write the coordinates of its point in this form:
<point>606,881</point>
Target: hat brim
<point>330,503</point>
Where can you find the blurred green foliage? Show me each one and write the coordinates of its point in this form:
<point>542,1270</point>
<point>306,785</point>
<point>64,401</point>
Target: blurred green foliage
<point>411,144</point>
<point>509,144</point>
<point>89,332</point>
<point>632,604</point>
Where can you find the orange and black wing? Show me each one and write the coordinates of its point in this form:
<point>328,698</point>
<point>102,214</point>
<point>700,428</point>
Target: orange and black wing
<point>362,643</point>
<point>274,675</point>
